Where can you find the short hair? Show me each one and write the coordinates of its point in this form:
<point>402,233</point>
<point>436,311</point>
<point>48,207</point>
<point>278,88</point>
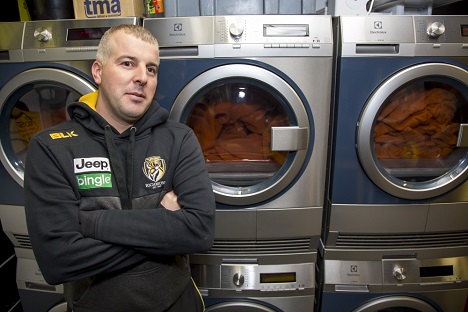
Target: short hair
<point>104,48</point>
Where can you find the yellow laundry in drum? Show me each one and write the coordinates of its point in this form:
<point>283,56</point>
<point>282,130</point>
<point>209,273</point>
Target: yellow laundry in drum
<point>27,123</point>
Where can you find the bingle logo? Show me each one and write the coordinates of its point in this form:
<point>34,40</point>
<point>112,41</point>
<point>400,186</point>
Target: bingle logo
<point>102,8</point>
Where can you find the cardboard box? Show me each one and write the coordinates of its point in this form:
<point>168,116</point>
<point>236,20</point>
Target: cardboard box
<point>107,8</point>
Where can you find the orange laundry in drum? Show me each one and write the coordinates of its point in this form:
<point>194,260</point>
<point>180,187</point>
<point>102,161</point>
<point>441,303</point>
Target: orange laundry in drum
<point>418,124</point>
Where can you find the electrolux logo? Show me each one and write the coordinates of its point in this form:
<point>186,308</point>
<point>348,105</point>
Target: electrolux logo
<point>353,270</point>
<point>378,28</point>
<point>177,31</point>
<point>102,8</point>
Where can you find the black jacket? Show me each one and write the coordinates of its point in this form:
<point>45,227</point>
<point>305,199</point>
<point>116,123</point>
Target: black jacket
<point>92,198</point>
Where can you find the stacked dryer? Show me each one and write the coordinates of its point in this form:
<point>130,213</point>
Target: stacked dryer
<point>45,66</point>
<point>256,91</point>
<point>396,224</point>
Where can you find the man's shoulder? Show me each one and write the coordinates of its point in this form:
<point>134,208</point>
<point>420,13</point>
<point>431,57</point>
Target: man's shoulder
<point>175,125</point>
<point>62,133</point>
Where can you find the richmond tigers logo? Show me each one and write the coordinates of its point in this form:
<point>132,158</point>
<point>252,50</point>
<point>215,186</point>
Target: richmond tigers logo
<point>154,168</point>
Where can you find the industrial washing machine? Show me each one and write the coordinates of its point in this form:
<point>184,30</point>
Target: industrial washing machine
<point>396,283</point>
<point>256,90</point>
<point>397,191</point>
<point>46,65</point>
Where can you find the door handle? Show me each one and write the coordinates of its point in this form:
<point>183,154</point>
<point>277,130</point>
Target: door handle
<point>463,136</point>
<point>292,138</point>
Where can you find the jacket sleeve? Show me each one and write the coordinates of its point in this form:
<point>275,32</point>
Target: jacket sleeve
<point>160,231</point>
<point>51,206</point>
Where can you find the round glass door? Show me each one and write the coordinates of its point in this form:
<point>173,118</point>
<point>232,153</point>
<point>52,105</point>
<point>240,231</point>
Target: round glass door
<point>412,140</point>
<point>34,100</point>
<point>396,304</point>
<point>236,306</point>
<point>252,127</point>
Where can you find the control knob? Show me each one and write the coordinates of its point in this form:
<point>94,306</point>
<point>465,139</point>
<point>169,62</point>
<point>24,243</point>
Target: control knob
<point>42,34</point>
<point>236,30</point>
<point>435,29</point>
<point>238,279</point>
<point>399,273</point>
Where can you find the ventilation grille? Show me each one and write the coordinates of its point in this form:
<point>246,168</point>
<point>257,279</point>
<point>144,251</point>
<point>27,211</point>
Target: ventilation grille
<point>402,241</point>
<point>261,246</point>
<point>22,241</point>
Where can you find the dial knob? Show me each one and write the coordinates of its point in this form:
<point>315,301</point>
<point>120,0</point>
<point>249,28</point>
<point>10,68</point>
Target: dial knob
<point>238,279</point>
<point>435,29</point>
<point>399,273</point>
<point>42,34</point>
<point>236,30</point>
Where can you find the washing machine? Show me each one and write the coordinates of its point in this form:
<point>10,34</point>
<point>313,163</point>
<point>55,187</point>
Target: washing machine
<point>397,185</point>
<point>410,283</point>
<point>399,131</point>
<point>256,90</point>
<point>44,66</point>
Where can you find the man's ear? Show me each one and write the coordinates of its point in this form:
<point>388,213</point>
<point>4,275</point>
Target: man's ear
<point>96,70</point>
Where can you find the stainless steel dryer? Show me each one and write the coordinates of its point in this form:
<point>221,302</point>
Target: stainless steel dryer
<point>47,66</point>
<point>256,91</point>
<point>399,163</point>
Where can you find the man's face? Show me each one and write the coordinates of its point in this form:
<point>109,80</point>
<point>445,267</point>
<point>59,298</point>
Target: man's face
<point>127,81</point>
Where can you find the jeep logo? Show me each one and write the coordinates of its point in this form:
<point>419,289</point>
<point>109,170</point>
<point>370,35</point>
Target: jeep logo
<point>92,164</point>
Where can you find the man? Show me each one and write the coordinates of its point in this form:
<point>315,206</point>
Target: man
<point>117,197</point>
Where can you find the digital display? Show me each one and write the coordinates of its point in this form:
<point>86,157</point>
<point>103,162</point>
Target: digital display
<point>464,30</point>
<point>86,33</point>
<point>281,30</point>
<point>444,270</point>
<point>278,277</point>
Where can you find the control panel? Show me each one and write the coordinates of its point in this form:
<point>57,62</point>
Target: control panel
<point>427,271</point>
<point>255,277</point>
<point>441,29</point>
<point>302,29</point>
<point>397,271</point>
<point>56,40</point>
<point>265,35</point>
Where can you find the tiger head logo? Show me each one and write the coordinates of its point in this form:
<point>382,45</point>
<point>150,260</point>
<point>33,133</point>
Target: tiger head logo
<point>154,168</point>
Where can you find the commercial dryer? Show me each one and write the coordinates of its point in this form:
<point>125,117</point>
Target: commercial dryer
<point>256,91</point>
<point>397,195</point>
<point>44,66</point>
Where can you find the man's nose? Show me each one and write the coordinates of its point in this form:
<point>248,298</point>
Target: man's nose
<point>141,75</point>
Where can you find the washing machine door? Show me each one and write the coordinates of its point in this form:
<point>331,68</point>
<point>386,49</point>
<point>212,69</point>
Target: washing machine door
<point>244,306</point>
<point>253,129</point>
<point>396,304</point>
<point>33,100</point>
<point>412,136</point>
<point>61,307</point>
